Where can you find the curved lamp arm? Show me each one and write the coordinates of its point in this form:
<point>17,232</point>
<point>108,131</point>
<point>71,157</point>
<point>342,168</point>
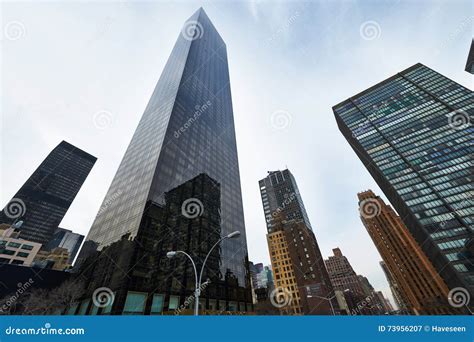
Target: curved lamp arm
<point>229,236</point>
<point>192,262</point>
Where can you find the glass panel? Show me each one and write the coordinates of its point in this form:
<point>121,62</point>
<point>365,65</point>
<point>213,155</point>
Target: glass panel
<point>135,303</point>
<point>72,310</point>
<point>174,302</point>
<point>83,309</point>
<point>157,304</point>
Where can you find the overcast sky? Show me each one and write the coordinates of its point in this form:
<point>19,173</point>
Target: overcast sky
<point>84,71</point>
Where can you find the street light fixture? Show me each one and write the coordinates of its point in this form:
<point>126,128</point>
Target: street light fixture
<point>172,254</point>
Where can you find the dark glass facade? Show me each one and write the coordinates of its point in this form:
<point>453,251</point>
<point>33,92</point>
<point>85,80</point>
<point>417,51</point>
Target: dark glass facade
<point>43,200</point>
<point>65,238</point>
<point>280,194</point>
<point>412,133</point>
<point>470,59</point>
<point>187,129</point>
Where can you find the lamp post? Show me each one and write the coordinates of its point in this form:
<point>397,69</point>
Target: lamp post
<point>197,292</point>
<point>329,300</point>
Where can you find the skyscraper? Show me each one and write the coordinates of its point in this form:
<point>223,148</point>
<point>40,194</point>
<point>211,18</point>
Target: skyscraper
<point>419,283</point>
<point>280,194</point>
<point>44,199</point>
<point>65,238</point>
<point>187,130</point>
<point>342,275</point>
<point>470,59</point>
<point>395,289</point>
<point>413,132</point>
<point>300,276</point>
<point>359,294</point>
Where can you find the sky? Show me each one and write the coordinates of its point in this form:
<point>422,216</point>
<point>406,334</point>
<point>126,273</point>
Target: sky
<point>84,71</point>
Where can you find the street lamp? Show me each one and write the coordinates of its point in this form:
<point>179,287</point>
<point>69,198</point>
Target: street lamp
<point>172,254</point>
<point>329,300</point>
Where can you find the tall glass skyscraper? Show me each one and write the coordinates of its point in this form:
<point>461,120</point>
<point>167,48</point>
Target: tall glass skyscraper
<point>187,129</point>
<point>413,134</point>
<point>280,195</point>
<point>44,199</point>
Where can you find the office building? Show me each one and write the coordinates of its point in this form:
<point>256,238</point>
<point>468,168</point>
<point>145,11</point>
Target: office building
<point>56,259</point>
<point>413,133</point>
<point>65,238</point>
<point>359,294</point>
<point>421,287</point>
<point>470,59</point>
<point>396,291</point>
<point>185,137</point>
<point>299,273</point>
<point>13,249</point>
<point>280,194</point>
<point>44,199</point>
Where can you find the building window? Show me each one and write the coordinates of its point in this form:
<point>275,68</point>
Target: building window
<point>22,254</point>
<point>84,306</point>
<point>174,303</point>
<point>72,310</point>
<point>7,251</point>
<point>14,244</point>
<point>108,308</point>
<point>27,247</point>
<point>135,303</point>
<point>157,304</point>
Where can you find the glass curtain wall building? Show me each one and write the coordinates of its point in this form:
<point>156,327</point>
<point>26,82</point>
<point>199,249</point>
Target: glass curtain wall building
<point>187,129</point>
<point>280,194</point>
<point>413,134</point>
<point>44,199</point>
